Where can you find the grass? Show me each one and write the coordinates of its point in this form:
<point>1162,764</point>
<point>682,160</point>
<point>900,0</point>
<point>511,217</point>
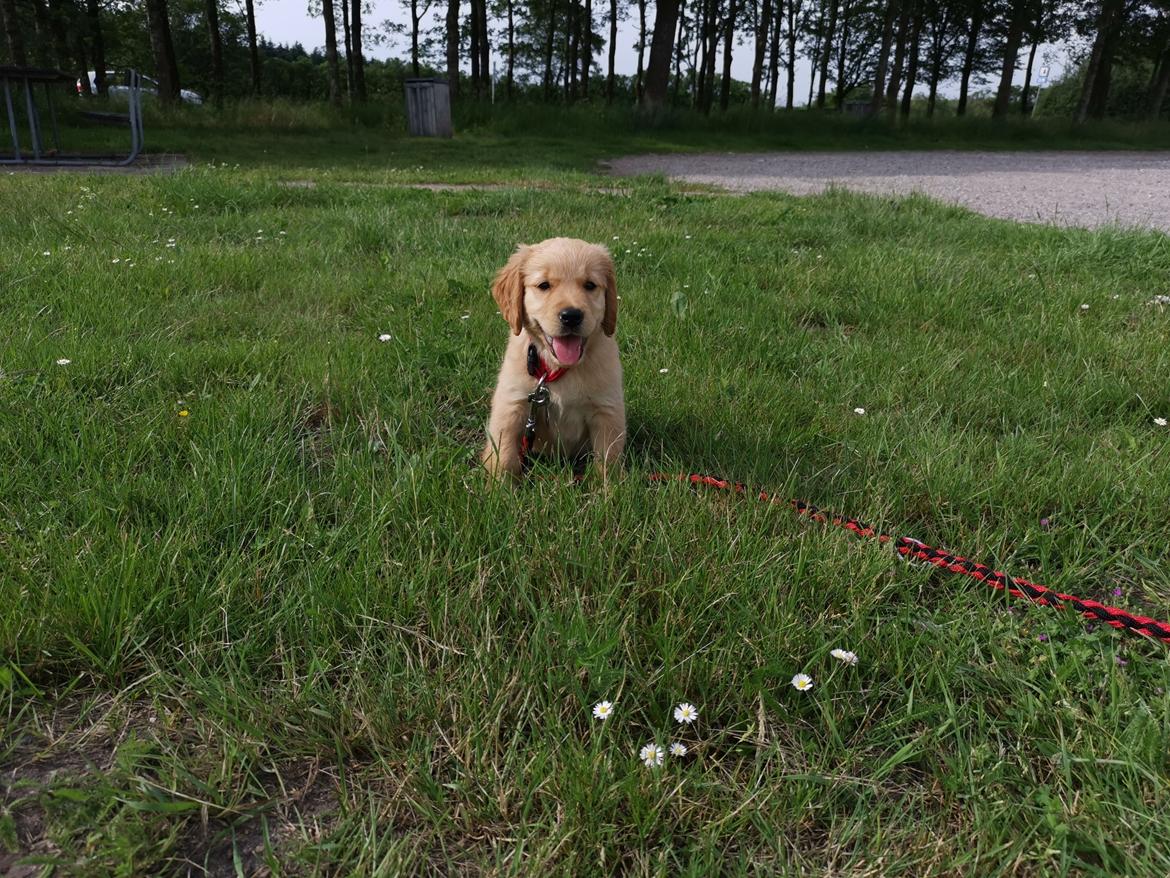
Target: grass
<point>294,630</point>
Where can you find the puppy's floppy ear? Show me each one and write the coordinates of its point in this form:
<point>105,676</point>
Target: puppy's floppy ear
<point>609,321</point>
<point>508,289</point>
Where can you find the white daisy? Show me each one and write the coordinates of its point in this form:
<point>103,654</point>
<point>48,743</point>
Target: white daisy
<point>844,655</point>
<point>47,253</point>
<point>803,682</point>
<point>663,371</point>
<point>677,749</point>
<point>602,710</point>
<point>686,713</point>
<point>385,336</point>
<point>651,755</point>
<point>1085,307</point>
<point>859,411</point>
<point>64,361</point>
<point>1161,422</point>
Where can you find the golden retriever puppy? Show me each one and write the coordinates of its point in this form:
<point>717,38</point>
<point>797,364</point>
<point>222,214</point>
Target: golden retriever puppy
<point>560,299</point>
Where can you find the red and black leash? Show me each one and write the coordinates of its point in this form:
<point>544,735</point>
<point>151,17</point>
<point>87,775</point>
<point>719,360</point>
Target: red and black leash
<point>917,550</point>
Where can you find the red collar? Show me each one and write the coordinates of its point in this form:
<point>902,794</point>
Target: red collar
<point>539,369</point>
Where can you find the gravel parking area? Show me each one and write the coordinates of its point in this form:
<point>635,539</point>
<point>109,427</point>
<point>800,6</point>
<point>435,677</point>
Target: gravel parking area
<point>1065,188</point>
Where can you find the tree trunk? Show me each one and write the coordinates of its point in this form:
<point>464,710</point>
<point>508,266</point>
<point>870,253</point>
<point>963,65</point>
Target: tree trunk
<point>935,76</point>
<point>511,49</point>
<point>761,51</point>
<point>774,57</point>
<point>712,51</point>
<point>570,72</point>
<point>883,61</point>
<point>610,80</point>
<point>826,51</point>
<point>640,82</point>
<point>473,47</point>
<point>79,61</point>
<point>1110,10</point>
<point>44,35</point>
<point>793,9</point>
<point>1011,51</point>
<point>355,39</point>
<point>453,45</point>
<point>1025,106</point>
<point>550,36</point>
<point>912,61</point>
<point>12,35</point>
<point>728,42</point>
<point>332,68</point>
<point>349,52</point>
<point>485,49</point>
<point>253,47</point>
<point>58,21</point>
<point>97,45</point>
<point>163,50</point>
<point>414,22</point>
<point>679,51</point>
<point>587,49</point>
<point>661,51</point>
<point>841,57</point>
<point>894,80</point>
<point>969,58</point>
<point>215,40</point>
<point>1160,86</point>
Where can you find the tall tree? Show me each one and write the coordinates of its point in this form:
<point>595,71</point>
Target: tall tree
<point>485,49</point>
<point>941,25</point>
<point>418,10</point>
<point>977,13</point>
<point>511,50</point>
<point>215,43</point>
<point>1095,88</point>
<point>661,51</point>
<point>587,49</point>
<point>355,38</point>
<point>894,80</point>
<point>883,59</point>
<point>166,68</point>
<point>253,47</point>
<point>762,34</point>
<point>1011,52</point>
<point>97,45</point>
<point>793,17</point>
<point>550,35</point>
<point>12,35</point>
<point>640,82</point>
<point>349,51</point>
<point>613,23</point>
<point>473,48</point>
<point>332,67</point>
<point>774,58</point>
<point>453,45</point>
<point>912,57</point>
<point>1159,83</point>
<point>842,55</point>
<point>728,40</point>
<point>680,50</point>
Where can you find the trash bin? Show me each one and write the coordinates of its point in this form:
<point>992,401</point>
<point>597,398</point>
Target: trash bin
<point>428,107</point>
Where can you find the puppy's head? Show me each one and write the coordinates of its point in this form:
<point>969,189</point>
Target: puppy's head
<point>562,291</point>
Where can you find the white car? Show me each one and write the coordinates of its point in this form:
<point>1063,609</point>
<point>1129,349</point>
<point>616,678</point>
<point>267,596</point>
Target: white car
<point>149,86</point>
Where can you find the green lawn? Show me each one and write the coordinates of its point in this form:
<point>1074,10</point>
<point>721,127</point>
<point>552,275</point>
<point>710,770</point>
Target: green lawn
<point>294,630</point>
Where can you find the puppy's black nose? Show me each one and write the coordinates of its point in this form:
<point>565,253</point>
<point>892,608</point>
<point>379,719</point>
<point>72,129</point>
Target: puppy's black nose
<point>571,317</point>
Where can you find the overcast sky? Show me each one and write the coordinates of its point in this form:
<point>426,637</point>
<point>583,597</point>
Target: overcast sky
<point>288,21</point>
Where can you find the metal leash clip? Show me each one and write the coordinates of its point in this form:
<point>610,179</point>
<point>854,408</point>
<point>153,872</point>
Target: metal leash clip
<point>536,399</point>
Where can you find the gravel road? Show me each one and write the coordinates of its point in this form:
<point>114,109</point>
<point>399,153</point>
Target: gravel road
<point>1065,188</point>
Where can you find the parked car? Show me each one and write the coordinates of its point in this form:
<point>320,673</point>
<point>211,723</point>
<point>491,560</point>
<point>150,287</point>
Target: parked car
<point>118,88</point>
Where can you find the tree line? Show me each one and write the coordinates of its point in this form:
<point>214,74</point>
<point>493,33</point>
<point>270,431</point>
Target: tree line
<point>865,56</point>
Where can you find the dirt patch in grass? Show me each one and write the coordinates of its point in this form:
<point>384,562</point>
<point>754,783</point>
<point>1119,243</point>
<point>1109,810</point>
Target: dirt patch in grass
<point>84,764</point>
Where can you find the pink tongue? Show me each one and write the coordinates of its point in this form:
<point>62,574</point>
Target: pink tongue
<point>568,348</point>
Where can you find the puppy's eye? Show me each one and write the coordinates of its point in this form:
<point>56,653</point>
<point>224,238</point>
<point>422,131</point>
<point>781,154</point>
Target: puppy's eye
<point>590,285</point>
<point>543,285</point>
